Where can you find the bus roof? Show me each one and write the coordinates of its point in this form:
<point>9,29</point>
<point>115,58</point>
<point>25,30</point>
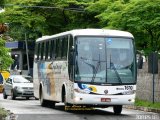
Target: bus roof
<point>89,32</point>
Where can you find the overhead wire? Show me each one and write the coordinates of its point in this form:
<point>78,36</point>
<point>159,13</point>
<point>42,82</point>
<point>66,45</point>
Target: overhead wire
<point>48,7</point>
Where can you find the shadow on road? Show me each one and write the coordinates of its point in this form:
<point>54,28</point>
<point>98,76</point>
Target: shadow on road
<point>86,111</point>
<point>21,98</point>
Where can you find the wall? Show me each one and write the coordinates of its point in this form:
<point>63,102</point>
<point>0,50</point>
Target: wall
<point>145,84</point>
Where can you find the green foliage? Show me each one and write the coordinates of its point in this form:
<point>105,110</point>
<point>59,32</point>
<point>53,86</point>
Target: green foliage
<point>3,113</point>
<point>5,58</point>
<point>145,103</point>
<point>1,3</point>
<point>61,16</point>
<point>140,17</point>
<point>21,20</point>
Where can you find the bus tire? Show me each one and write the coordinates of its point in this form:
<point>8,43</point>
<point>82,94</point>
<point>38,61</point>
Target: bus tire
<point>117,109</point>
<point>36,98</point>
<point>51,104</point>
<point>66,105</point>
<point>27,98</point>
<point>41,98</point>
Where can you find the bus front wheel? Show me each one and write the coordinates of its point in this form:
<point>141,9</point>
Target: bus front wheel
<point>117,109</point>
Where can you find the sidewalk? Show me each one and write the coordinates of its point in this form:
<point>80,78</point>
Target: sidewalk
<point>145,109</point>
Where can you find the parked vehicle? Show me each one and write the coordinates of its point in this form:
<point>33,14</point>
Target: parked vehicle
<point>3,76</point>
<point>1,82</point>
<point>18,86</point>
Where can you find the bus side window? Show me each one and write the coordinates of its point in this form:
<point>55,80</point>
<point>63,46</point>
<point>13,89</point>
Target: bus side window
<point>64,47</point>
<point>46,50</point>
<point>54,49</point>
<point>42,50</point>
<point>36,57</point>
<point>70,65</point>
<point>51,51</point>
<point>58,48</point>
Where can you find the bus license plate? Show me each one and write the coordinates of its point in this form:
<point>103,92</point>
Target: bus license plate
<point>105,99</point>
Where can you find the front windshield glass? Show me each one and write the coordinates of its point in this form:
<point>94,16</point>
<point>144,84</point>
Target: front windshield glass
<point>105,60</point>
<point>20,79</point>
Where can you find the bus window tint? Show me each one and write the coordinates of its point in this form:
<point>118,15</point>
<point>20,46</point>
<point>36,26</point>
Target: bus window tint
<point>37,51</point>
<point>46,50</point>
<point>42,50</point>
<point>58,48</point>
<point>51,51</point>
<point>70,66</point>
<point>64,47</point>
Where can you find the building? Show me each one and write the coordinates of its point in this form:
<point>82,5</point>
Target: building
<point>19,54</point>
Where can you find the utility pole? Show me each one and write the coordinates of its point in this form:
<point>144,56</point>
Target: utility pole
<point>27,53</point>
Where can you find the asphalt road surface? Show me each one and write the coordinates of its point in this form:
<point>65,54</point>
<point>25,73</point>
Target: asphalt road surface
<point>23,109</point>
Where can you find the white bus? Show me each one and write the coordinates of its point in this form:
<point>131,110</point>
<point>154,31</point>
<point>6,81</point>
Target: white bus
<point>86,67</point>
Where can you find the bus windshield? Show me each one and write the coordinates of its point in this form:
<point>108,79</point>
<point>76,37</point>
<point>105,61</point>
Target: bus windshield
<point>105,60</point>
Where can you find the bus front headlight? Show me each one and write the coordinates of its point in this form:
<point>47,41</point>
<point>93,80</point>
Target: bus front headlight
<point>76,99</point>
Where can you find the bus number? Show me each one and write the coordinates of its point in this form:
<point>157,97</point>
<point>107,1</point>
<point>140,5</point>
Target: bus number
<point>128,87</point>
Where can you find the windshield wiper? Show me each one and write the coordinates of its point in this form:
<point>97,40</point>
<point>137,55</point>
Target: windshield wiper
<point>95,69</point>
<point>115,70</point>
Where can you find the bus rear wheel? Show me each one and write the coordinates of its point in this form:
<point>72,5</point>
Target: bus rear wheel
<point>41,98</point>
<point>117,109</point>
<point>51,104</point>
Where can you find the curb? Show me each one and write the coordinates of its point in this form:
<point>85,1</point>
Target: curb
<point>145,109</point>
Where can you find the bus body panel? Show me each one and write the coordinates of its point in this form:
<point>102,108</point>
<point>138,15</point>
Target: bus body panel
<point>51,76</point>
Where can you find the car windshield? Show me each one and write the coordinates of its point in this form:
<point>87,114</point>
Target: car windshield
<point>105,60</point>
<point>29,78</point>
<point>20,79</point>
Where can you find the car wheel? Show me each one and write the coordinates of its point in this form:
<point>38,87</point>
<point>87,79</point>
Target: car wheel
<point>4,94</point>
<point>13,97</point>
<point>36,98</point>
<point>117,109</point>
<point>27,98</point>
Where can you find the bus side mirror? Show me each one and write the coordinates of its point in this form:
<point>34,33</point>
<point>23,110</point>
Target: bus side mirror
<point>140,62</point>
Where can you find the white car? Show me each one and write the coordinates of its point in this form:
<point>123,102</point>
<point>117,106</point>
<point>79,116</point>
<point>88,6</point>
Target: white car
<point>18,86</point>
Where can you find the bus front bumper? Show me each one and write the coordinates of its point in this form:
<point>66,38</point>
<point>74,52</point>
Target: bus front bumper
<point>102,100</point>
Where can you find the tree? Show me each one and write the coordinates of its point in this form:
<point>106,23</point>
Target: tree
<point>42,17</point>
<point>140,17</point>
<point>5,58</point>
<point>3,28</point>
<point>21,20</point>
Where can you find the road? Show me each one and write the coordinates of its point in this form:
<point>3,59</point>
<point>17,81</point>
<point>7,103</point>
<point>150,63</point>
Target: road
<point>31,110</point>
